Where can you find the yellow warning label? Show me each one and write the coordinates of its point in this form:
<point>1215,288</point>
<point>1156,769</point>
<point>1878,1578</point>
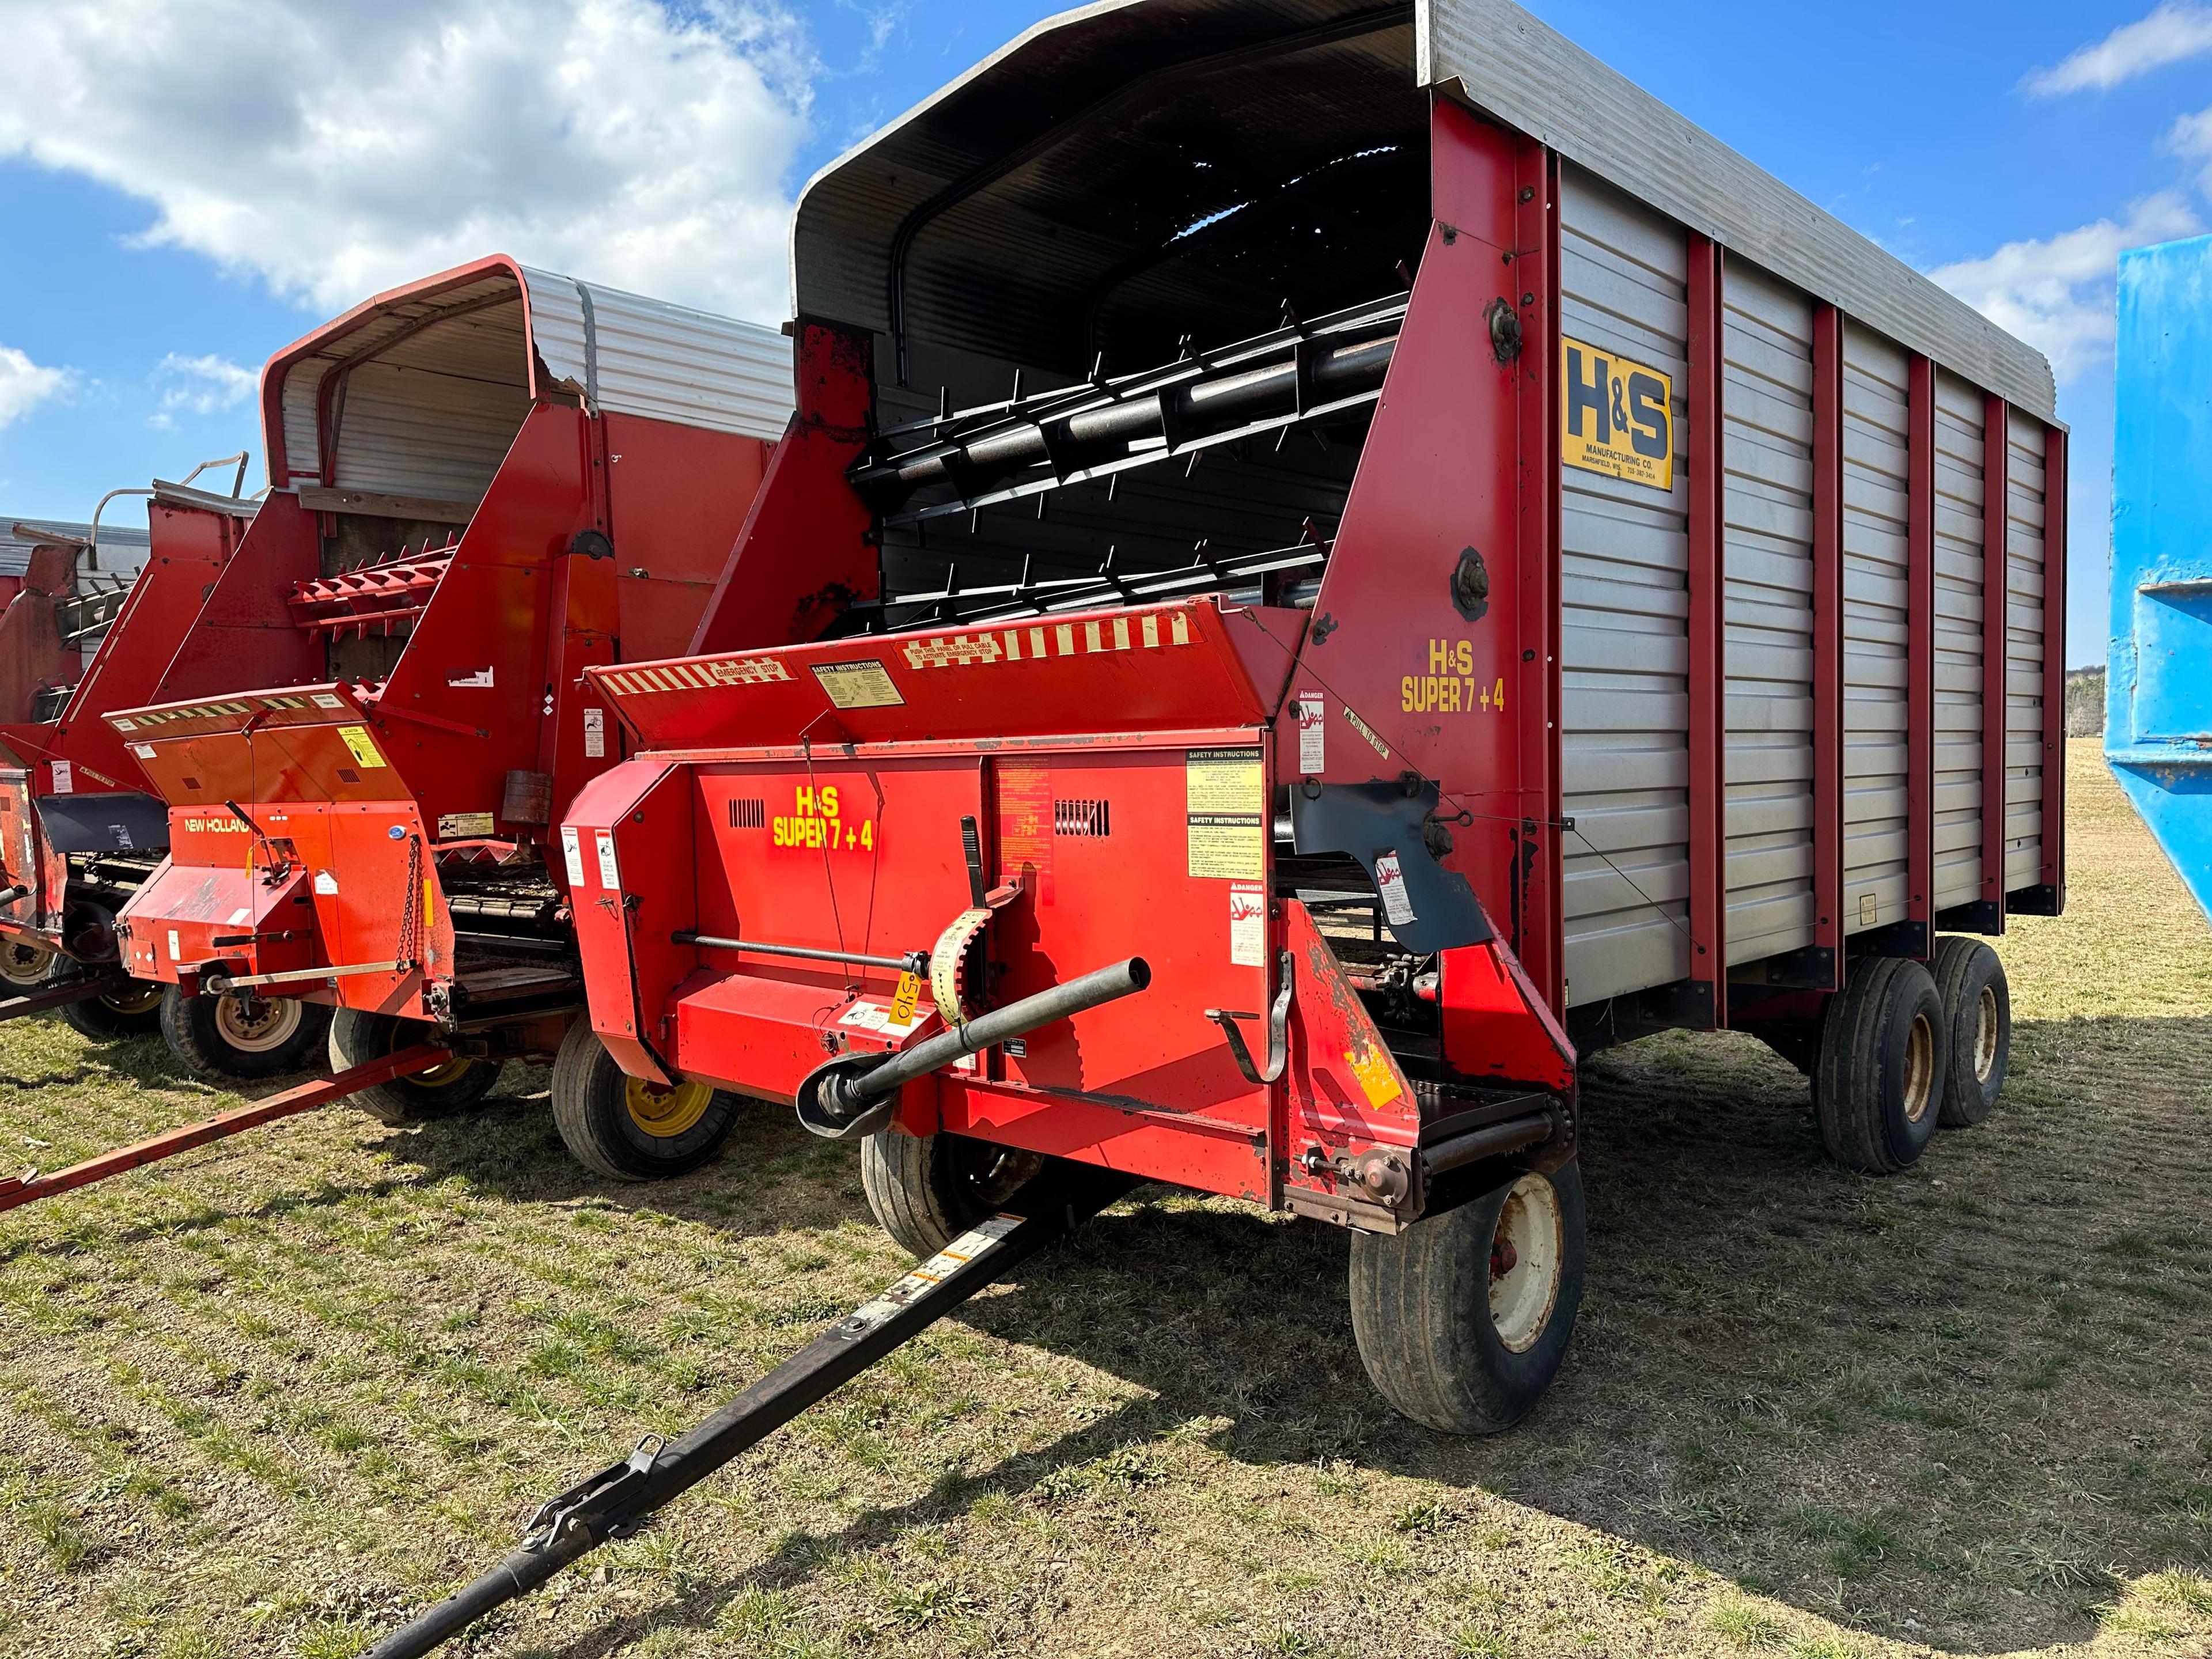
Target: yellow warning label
<point>1224,848</point>
<point>1224,781</point>
<point>1617,417</point>
<point>1378,1078</point>
<point>364,748</point>
<point>910,992</point>
<point>1226,803</point>
<point>858,684</point>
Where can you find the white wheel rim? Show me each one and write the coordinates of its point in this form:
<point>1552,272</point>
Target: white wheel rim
<point>1526,1251</point>
<point>24,964</point>
<point>1985,1035</point>
<point>1919,1067</point>
<point>269,1026</point>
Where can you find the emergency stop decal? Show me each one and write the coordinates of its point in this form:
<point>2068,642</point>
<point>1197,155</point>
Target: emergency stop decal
<point>1226,803</point>
<point>1618,417</point>
<point>1147,633</point>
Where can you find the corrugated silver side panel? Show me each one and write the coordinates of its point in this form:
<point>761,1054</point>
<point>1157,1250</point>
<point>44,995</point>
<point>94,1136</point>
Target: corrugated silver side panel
<point>1625,648</point>
<point>1876,505</point>
<point>635,356</point>
<point>1768,403</point>
<point>1537,80</point>
<point>2027,639</point>
<point>1958,635</point>
<point>301,386</point>
<point>436,414</point>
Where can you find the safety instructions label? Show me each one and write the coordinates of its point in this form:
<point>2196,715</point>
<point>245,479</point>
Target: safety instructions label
<point>1225,804</point>
<point>460,826</point>
<point>595,734</point>
<point>858,685</point>
<point>1025,825</point>
<point>363,746</point>
<point>609,872</point>
<point>572,846</point>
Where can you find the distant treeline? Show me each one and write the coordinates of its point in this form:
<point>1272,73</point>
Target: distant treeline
<point>2085,702</point>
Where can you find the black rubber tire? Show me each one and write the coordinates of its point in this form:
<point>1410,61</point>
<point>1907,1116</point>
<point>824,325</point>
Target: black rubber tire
<point>194,1035</point>
<point>99,1017</point>
<point>926,1190</point>
<point>1422,1312</point>
<point>1867,1080</point>
<point>1965,970</point>
<point>590,1108</point>
<point>357,1037</point>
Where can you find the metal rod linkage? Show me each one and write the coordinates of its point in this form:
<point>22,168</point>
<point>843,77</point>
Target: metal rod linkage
<point>914,962</point>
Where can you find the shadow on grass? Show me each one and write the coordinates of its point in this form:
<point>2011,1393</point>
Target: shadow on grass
<point>1962,1397</point>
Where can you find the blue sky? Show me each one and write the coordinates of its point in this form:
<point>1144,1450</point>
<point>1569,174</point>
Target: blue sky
<point>179,203</point>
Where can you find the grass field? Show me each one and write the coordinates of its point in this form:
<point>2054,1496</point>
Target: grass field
<point>262,1399</point>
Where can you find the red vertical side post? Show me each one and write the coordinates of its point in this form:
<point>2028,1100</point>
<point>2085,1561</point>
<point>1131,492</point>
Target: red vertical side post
<point>1828,639</point>
<point>1920,655</point>
<point>2054,670</point>
<point>1542,932</point>
<point>1996,585</point>
<point>1708,577</point>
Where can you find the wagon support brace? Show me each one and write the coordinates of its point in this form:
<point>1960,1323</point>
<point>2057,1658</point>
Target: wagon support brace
<point>54,996</point>
<point>18,1190</point>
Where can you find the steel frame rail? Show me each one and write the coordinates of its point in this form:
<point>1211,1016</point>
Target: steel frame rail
<point>18,1190</point>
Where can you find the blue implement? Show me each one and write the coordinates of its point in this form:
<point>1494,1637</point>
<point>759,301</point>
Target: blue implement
<point>2158,726</point>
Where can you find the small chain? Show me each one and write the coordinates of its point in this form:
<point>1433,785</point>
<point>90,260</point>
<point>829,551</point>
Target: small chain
<point>410,921</point>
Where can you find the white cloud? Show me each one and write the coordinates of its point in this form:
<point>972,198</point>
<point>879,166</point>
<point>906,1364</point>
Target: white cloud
<point>202,385</point>
<point>25,385</point>
<point>2058,295</point>
<point>2177,31</point>
<point>337,147</point>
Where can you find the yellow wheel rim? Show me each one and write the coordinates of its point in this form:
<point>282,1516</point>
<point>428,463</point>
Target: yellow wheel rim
<point>23,964</point>
<point>665,1114</point>
<point>443,1077</point>
<point>140,999</point>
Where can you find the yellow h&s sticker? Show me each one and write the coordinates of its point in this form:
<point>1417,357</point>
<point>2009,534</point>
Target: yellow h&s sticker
<point>1616,416</point>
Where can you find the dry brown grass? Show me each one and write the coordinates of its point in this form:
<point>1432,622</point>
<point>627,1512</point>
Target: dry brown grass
<point>260,1400</point>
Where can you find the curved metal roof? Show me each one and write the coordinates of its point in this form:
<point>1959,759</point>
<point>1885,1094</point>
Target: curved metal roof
<point>1066,157</point>
<point>498,334</point>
